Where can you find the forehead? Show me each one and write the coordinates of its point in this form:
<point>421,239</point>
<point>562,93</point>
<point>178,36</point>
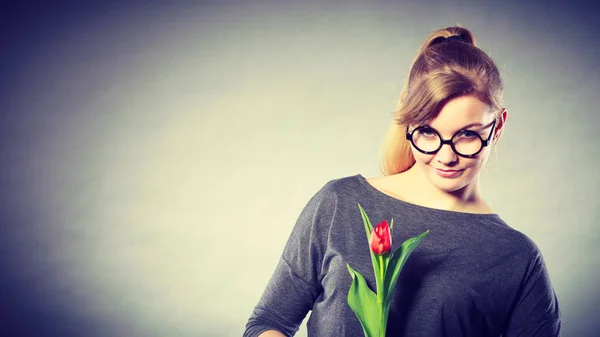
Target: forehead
<point>461,111</point>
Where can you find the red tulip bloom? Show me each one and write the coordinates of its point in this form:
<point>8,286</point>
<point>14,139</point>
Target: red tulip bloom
<point>381,239</point>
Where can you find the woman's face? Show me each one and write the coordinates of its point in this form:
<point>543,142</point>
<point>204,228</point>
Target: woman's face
<point>445,169</point>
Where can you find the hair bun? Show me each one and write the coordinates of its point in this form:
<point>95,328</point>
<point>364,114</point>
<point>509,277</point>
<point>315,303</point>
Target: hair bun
<point>450,34</point>
<point>442,39</point>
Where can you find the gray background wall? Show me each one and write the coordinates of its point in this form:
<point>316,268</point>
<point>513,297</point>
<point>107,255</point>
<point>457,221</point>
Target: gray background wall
<point>155,156</point>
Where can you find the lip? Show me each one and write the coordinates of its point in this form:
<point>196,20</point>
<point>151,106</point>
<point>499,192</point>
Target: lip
<point>447,170</point>
<point>448,173</point>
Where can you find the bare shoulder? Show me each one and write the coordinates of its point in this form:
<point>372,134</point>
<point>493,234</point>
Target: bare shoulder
<point>390,185</point>
<point>378,182</point>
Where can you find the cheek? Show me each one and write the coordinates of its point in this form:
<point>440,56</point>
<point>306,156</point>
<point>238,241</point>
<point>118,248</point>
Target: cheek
<point>475,165</point>
<point>481,159</point>
<point>421,158</point>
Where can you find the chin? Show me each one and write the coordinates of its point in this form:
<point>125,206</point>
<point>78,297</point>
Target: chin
<point>452,184</point>
<point>448,187</point>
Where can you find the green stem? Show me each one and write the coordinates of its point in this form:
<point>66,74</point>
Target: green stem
<point>380,296</point>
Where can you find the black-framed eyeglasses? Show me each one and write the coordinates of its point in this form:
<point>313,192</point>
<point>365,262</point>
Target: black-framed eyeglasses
<point>465,143</point>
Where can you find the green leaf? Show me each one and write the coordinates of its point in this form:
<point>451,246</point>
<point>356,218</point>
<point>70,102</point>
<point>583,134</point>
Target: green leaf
<point>363,302</point>
<point>396,263</point>
<point>366,221</point>
<point>368,229</point>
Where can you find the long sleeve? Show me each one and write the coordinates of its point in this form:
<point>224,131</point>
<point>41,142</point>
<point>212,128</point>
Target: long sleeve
<point>536,312</point>
<point>295,284</point>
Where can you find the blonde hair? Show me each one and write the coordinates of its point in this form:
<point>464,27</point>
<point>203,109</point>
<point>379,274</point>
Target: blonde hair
<point>439,73</point>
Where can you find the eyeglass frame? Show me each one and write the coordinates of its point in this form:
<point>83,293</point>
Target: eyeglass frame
<point>484,143</point>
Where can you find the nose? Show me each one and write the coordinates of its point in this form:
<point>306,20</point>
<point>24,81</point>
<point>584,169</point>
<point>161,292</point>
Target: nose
<point>446,155</point>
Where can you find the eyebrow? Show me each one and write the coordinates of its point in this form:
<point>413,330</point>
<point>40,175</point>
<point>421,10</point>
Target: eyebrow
<point>471,125</point>
<point>468,126</point>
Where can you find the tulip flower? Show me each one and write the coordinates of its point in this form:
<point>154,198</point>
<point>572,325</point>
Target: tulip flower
<point>381,239</point>
<point>372,308</point>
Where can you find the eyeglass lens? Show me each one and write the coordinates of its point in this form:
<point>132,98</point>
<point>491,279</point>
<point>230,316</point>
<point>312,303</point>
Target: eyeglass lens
<point>465,142</point>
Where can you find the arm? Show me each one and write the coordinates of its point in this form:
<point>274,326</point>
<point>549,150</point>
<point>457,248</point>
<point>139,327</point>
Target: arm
<point>284,303</point>
<point>295,284</point>
<point>536,312</point>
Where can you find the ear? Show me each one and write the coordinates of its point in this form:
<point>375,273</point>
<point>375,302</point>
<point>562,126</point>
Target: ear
<point>500,125</point>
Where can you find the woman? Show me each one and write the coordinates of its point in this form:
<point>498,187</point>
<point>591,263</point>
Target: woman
<point>472,275</point>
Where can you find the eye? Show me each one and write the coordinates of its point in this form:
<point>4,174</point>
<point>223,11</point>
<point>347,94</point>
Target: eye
<point>467,134</point>
<point>426,132</point>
